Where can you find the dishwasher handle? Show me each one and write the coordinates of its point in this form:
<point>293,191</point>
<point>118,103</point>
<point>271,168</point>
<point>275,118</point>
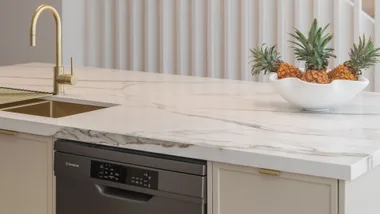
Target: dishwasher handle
<point>122,194</point>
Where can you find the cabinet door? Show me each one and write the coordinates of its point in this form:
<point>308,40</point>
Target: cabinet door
<point>26,177</point>
<point>243,190</point>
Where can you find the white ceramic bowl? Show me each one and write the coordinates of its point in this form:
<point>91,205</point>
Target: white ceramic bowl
<point>318,97</point>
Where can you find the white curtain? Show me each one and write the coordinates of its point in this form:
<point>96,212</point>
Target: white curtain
<point>195,37</point>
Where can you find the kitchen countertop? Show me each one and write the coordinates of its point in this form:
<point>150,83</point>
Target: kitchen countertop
<point>227,121</point>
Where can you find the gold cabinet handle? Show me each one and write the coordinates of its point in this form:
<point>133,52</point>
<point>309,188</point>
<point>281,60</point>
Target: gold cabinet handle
<point>269,172</point>
<point>7,132</point>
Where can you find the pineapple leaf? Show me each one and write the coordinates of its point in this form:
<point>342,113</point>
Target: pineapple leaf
<point>363,55</point>
<point>265,59</point>
<point>313,49</point>
<point>313,29</point>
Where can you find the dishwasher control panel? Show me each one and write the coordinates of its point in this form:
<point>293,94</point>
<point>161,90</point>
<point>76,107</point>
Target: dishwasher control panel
<point>124,174</point>
<point>108,171</point>
<point>142,178</point>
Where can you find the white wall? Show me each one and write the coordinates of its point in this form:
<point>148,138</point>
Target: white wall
<point>15,19</point>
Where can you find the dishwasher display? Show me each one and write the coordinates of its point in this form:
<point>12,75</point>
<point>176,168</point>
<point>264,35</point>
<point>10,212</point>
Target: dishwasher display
<point>122,174</point>
<point>108,171</point>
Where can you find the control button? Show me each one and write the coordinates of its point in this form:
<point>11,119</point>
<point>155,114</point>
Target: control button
<point>106,173</point>
<point>111,169</point>
<point>149,178</point>
<point>116,174</point>
<point>146,174</point>
<point>101,166</point>
<point>100,176</point>
<point>111,173</point>
<point>101,173</point>
<point>116,179</point>
<point>141,183</point>
<point>111,177</point>
<point>133,177</point>
<point>145,181</point>
<point>145,185</point>
<point>148,185</point>
<point>132,181</point>
<point>105,177</point>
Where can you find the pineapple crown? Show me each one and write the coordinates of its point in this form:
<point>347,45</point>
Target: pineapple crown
<point>363,55</point>
<point>313,49</point>
<point>265,59</point>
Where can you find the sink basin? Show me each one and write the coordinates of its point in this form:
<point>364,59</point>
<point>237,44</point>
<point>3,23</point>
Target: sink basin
<point>49,108</point>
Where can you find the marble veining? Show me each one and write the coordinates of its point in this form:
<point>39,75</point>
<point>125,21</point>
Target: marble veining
<point>112,139</point>
<point>220,120</point>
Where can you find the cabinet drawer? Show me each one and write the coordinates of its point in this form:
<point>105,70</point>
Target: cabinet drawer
<point>26,178</point>
<point>242,190</point>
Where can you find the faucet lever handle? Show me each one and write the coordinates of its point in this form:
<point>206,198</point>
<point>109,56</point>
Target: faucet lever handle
<point>68,79</point>
<point>72,66</point>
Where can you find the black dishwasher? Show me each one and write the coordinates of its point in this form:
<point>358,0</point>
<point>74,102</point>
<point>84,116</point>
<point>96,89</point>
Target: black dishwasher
<point>97,179</point>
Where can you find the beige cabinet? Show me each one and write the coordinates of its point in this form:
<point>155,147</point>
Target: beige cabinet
<point>243,190</point>
<point>26,174</point>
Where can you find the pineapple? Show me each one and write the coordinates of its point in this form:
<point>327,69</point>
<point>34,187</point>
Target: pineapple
<point>268,60</point>
<point>362,56</point>
<point>316,76</point>
<point>314,52</point>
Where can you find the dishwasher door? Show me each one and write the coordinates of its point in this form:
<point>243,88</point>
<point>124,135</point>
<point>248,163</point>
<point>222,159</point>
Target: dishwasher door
<point>78,192</point>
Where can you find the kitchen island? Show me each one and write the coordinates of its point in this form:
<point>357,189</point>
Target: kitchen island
<point>264,155</point>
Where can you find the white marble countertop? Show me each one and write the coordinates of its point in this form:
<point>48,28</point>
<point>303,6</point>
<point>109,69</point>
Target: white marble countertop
<point>219,120</point>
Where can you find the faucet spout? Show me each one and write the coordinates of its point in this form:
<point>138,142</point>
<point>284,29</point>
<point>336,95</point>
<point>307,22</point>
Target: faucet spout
<point>33,30</point>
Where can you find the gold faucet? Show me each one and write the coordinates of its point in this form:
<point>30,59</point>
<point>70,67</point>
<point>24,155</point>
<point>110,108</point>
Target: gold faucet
<point>60,78</point>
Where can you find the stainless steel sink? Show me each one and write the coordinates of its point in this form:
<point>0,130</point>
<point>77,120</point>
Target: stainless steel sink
<point>49,108</point>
